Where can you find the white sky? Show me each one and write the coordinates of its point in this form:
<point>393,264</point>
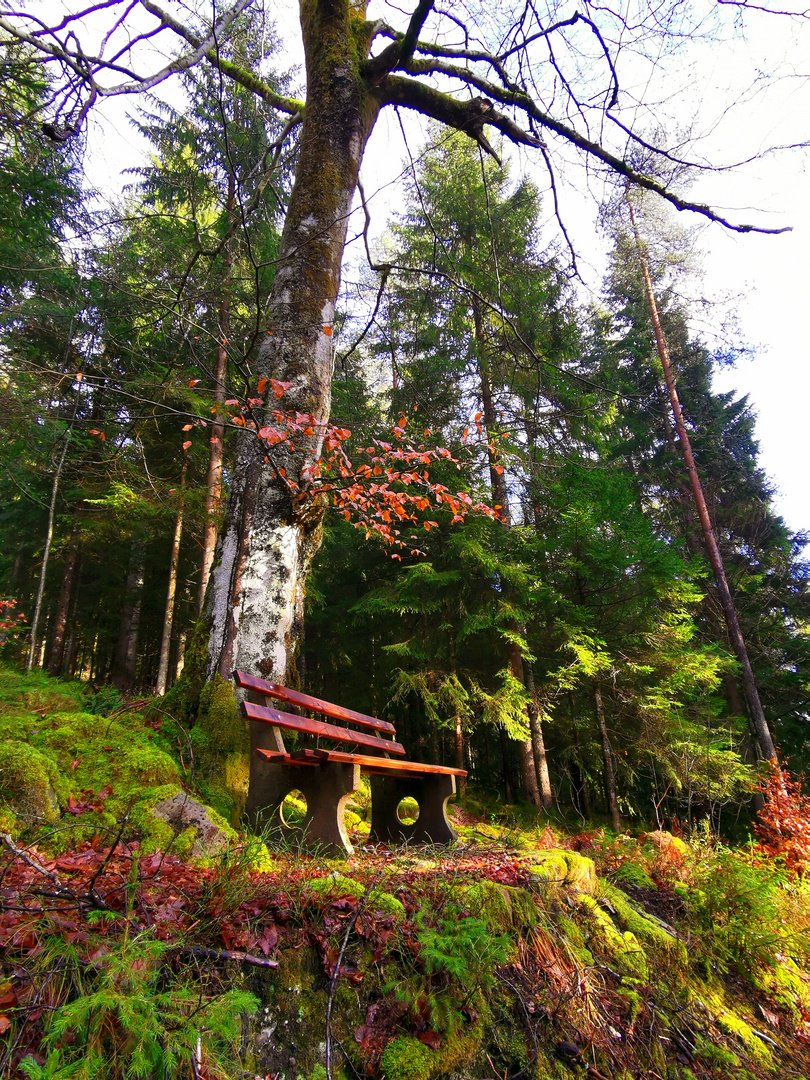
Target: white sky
<point>767,276</point>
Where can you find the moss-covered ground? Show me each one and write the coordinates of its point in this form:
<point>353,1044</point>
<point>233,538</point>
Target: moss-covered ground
<point>525,950</point>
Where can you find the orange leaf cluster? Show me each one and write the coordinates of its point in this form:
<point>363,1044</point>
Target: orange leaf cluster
<point>783,825</point>
<point>391,487</point>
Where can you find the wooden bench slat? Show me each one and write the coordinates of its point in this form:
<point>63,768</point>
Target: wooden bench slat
<point>318,727</point>
<point>304,701</point>
<point>369,764</point>
<point>286,759</point>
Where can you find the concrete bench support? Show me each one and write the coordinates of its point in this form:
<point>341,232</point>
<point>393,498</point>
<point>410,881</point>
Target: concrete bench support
<point>431,792</point>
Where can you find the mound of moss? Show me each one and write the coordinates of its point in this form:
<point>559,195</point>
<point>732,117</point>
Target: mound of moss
<point>97,773</point>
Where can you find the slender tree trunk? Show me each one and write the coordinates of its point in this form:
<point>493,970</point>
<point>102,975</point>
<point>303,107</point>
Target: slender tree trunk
<point>216,444</point>
<point>756,715</point>
<point>508,782</point>
<point>458,725</point>
<point>74,637</point>
<point>49,535</point>
<point>607,757</point>
<point>531,768</point>
<point>180,659</point>
<point>527,764</point>
<point>273,523</point>
<point>497,475</point>
<point>63,606</point>
<point>127,652</point>
<point>168,618</point>
<point>582,783</point>
<point>538,742</point>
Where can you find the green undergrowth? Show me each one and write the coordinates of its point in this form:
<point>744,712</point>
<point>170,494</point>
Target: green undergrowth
<point>523,949</point>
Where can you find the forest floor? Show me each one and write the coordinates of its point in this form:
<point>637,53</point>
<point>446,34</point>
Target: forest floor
<point>141,945</point>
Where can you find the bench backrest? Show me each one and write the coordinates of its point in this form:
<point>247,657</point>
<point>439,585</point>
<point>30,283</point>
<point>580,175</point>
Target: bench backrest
<point>319,728</point>
<point>304,701</point>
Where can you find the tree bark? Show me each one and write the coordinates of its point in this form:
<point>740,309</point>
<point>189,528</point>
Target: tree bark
<point>49,534</point>
<point>168,618</point>
<point>607,758</point>
<point>497,475</point>
<point>127,652</point>
<point>54,666</point>
<point>508,783</point>
<point>216,442</point>
<point>527,764</point>
<point>458,725</point>
<point>533,765</point>
<point>273,523</point>
<point>538,742</point>
<point>756,714</point>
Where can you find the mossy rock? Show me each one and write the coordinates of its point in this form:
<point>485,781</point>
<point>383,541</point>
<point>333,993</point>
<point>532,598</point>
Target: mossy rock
<point>623,947</point>
<point>635,1004</point>
<point>95,752</point>
<point>285,1037</point>
<point>30,784</point>
<point>488,901</point>
<point>630,873</point>
<point>550,866</point>
<point>647,930</point>
<point>502,907</point>
<point>561,867</point>
<point>547,1067</point>
<point>713,999</point>
<point>199,832</point>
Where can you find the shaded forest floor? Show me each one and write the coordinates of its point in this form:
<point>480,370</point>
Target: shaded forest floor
<point>138,941</point>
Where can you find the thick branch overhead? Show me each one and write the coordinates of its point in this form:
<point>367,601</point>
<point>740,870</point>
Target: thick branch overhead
<point>544,75</point>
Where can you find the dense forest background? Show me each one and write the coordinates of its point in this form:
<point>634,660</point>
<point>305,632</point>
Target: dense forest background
<point>578,616</point>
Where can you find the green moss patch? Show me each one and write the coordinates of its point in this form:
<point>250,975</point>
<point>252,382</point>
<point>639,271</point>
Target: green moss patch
<point>30,785</point>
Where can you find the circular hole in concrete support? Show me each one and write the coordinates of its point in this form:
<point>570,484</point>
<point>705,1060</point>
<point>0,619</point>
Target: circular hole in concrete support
<point>294,808</point>
<point>408,811</point>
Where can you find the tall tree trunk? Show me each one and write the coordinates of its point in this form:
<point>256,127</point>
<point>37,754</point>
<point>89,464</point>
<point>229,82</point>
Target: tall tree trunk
<point>458,725</point>
<point>756,715</point>
<point>49,534</point>
<point>530,767</point>
<point>272,528</point>
<point>538,742</point>
<point>497,475</point>
<point>508,782</point>
<point>63,606</point>
<point>216,443</point>
<point>127,652</point>
<point>607,758</point>
<point>168,618</point>
<point>578,778</point>
<point>527,765</point>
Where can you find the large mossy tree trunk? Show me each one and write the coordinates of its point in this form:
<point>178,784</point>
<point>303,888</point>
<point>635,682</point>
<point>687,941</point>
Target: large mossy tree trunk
<point>272,529</point>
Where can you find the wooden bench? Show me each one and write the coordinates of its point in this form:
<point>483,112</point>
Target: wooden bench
<point>329,777</point>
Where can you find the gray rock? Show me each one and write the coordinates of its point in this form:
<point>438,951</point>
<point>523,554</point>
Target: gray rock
<point>181,811</point>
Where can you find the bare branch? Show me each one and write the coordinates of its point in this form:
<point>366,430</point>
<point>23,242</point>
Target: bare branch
<point>233,71</point>
<point>768,11</point>
<point>445,108</point>
<point>86,68</point>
